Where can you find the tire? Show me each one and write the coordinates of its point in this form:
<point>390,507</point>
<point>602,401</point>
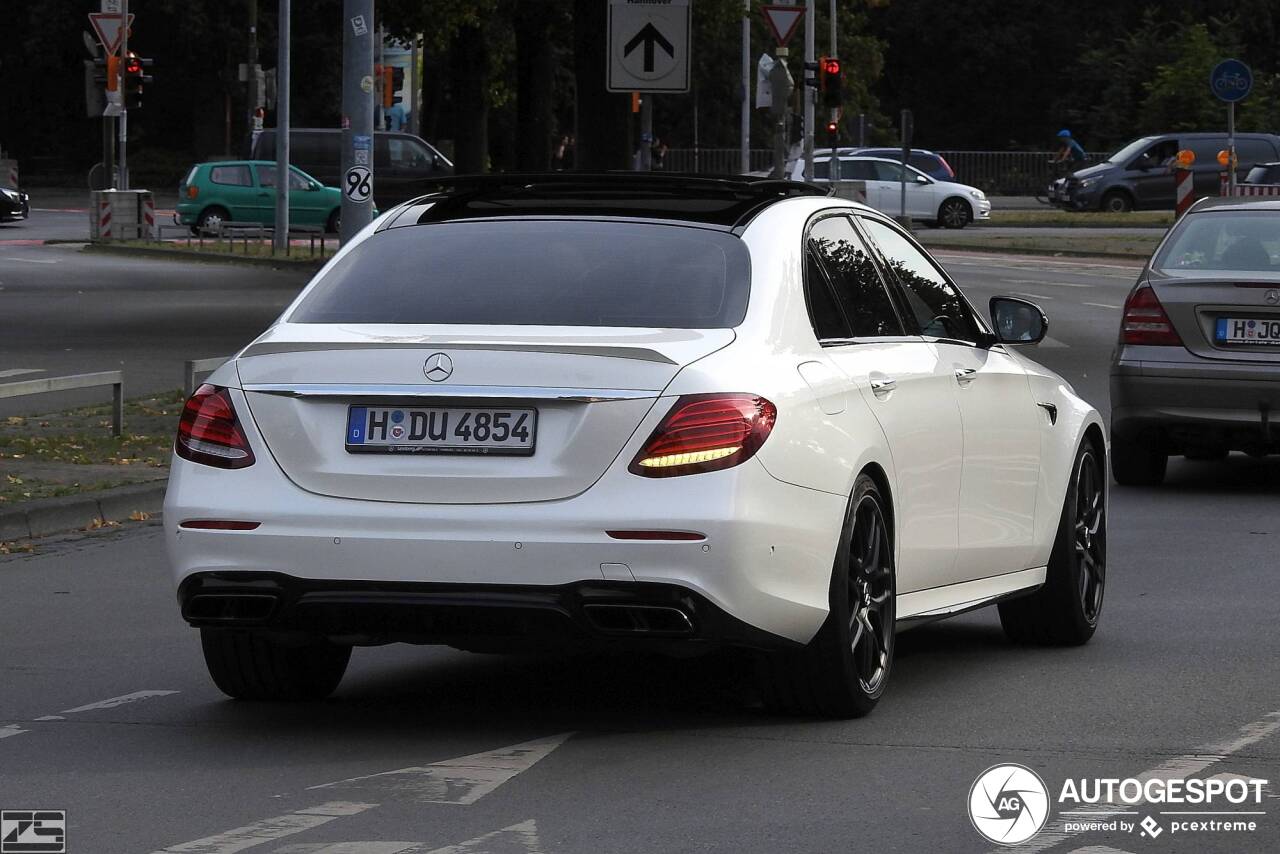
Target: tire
<point>1065,611</point>
<point>334,222</point>
<point>1138,462</point>
<point>249,666</point>
<point>843,671</point>
<point>212,217</point>
<point>1116,201</point>
<point>954,213</point>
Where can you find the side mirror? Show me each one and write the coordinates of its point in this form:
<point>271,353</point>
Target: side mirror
<point>313,186</point>
<point>920,179</point>
<point>1017,321</point>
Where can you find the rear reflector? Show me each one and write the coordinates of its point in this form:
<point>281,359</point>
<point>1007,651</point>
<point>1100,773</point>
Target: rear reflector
<point>656,535</point>
<point>219,525</point>
<point>209,431</point>
<point>706,432</point>
<point>1145,321</point>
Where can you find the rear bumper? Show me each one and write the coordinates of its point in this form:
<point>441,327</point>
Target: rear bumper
<point>1197,401</point>
<point>471,616</point>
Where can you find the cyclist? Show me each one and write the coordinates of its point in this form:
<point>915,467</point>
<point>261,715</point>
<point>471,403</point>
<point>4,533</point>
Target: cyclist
<point>1071,153</point>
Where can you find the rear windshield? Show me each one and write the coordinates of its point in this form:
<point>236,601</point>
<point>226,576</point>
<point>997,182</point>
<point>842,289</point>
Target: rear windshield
<point>1241,241</point>
<point>545,273</point>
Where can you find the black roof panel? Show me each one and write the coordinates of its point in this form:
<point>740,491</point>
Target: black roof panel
<point>725,201</point>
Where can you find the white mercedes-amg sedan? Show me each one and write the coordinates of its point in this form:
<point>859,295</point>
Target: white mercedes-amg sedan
<point>659,412</point>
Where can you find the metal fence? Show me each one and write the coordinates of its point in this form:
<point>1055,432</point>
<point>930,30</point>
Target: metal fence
<point>999,173</point>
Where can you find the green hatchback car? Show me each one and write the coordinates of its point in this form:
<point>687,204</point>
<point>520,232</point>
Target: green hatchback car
<point>245,191</point>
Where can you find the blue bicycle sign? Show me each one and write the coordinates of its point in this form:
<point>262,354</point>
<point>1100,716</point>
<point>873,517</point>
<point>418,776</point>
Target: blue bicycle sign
<point>1231,80</point>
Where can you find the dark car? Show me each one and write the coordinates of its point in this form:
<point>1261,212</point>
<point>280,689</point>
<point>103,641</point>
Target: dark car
<point>14,205</point>
<point>1264,173</point>
<point>404,166</point>
<point>1197,369</point>
<point>1138,177</point>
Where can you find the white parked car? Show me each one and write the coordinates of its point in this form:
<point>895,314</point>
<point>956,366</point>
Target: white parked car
<point>945,203</point>
<point>633,410</point>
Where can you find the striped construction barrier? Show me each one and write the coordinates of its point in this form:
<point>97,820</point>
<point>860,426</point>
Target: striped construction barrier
<point>1247,189</point>
<point>1183,193</point>
<point>122,215</point>
<point>9,174</point>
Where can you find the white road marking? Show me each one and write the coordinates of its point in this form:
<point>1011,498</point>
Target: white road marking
<point>1031,296</point>
<point>350,848</point>
<point>11,729</point>
<point>1052,342</point>
<point>33,260</point>
<point>464,780</point>
<point>517,837</point>
<point>1050,284</point>
<point>1101,305</point>
<point>17,372</point>
<point>1180,767</point>
<point>1098,849</point>
<point>267,830</point>
<point>117,701</point>
<point>51,718</point>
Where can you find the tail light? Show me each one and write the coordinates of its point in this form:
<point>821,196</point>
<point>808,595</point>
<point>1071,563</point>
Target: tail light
<point>192,191</point>
<point>209,431</point>
<point>1145,321</point>
<point>706,432</point>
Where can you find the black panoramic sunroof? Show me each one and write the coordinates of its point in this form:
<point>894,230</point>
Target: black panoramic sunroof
<point>720,201</point>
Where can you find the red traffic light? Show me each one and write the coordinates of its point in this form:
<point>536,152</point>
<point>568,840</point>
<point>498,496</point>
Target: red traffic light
<point>831,66</point>
<point>832,127</point>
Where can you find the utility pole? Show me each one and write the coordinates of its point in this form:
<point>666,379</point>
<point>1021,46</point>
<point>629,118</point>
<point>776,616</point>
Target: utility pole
<point>251,75</point>
<point>746,86</point>
<point>357,116</point>
<point>833,51</point>
<point>646,132</point>
<point>124,102</point>
<point>810,58</point>
<point>280,234</point>
<point>414,106</point>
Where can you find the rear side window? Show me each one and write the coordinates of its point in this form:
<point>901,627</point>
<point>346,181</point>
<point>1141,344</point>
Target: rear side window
<point>854,278</point>
<point>234,176</point>
<point>544,273</point>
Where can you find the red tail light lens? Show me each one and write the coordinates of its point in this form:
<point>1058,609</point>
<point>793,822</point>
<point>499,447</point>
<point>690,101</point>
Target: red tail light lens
<point>1145,321</point>
<point>209,432</point>
<point>706,432</point>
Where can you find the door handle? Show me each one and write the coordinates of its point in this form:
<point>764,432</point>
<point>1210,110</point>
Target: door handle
<point>964,376</point>
<point>881,385</point>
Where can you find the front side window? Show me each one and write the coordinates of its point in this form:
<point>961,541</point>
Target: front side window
<point>408,153</point>
<point>537,272</point>
<point>267,178</point>
<point>233,176</point>
<point>940,311</point>
<point>853,275</point>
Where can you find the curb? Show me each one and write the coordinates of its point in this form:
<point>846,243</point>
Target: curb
<point>184,255</point>
<point>1048,253</point>
<point>74,512</point>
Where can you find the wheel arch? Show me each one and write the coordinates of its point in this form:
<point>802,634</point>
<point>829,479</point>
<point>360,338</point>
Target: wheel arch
<point>880,478</point>
<point>973,213</point>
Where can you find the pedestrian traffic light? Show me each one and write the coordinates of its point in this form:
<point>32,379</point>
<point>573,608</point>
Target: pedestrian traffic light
<point>832,84</point>
<point>134,77</point>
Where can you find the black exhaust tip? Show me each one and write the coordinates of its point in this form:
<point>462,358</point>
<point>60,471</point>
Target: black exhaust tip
<point>230,608</point>
<point>639,620</point>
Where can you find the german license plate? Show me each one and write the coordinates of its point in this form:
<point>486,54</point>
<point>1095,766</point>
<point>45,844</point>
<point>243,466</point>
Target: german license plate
<point>1247,330</point>
<point>441,430</point>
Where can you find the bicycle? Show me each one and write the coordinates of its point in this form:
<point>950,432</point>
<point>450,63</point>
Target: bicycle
<point>1055,191</point>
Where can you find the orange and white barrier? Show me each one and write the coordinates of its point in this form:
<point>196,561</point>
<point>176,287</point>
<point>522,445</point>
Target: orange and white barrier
<point>1183,196</point>
<point>122,215</point>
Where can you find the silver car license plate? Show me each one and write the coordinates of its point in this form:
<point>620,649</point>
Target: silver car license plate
<point>1247,330</point>
<point>441,430</point>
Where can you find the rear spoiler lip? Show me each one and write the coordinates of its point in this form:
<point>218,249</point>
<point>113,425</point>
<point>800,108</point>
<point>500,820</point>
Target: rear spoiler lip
<point>642,354</point>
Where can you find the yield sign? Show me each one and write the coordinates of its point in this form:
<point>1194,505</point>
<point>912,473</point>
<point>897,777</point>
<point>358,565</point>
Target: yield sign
<point>782,20</point>
<point>107,26</point>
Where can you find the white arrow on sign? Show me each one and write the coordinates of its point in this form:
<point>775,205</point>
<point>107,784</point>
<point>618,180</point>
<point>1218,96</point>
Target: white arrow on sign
<point>108,28</point>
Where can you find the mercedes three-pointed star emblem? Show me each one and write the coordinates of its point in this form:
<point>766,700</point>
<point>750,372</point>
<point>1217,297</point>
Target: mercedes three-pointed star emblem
<point>438,367</point>
<point>1272,296</point>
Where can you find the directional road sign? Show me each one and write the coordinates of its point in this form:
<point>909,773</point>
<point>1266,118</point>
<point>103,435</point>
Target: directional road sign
<point>648,46</point>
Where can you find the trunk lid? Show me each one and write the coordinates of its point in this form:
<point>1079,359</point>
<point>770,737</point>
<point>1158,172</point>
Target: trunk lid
<point>1196,303</point>
<point>590,389</point>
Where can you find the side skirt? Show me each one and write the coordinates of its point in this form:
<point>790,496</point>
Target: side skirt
<point>937,603</point>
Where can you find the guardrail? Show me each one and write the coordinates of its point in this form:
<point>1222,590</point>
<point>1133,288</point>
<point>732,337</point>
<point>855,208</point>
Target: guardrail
<point>230,232</point>
<point>115,379</point>
<point>192,367</point>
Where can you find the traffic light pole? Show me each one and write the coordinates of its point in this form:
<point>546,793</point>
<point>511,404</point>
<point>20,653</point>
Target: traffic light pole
<point>124,108</point>
<point>810,25</point>
<point>280,234</point>
<point>745,131</point>
<point>357,116</point>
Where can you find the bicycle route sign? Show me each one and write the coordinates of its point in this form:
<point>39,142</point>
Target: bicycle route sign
<point>1231,80</point>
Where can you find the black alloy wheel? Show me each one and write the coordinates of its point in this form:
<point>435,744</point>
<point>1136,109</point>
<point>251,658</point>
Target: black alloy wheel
<point>955,213</point>
<point>870,593</point>
<point>1090,541</point>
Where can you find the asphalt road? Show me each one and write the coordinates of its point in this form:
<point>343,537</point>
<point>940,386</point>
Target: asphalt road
<point>106,712</point>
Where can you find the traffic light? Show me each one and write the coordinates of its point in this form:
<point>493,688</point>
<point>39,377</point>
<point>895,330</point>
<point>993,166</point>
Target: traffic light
<point>134,77</point>
<point>832,84</point>
<point>833,134</point>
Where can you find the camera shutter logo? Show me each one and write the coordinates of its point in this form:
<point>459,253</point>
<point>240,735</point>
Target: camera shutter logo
<point>1008,804</point>
<point>33,831</point>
